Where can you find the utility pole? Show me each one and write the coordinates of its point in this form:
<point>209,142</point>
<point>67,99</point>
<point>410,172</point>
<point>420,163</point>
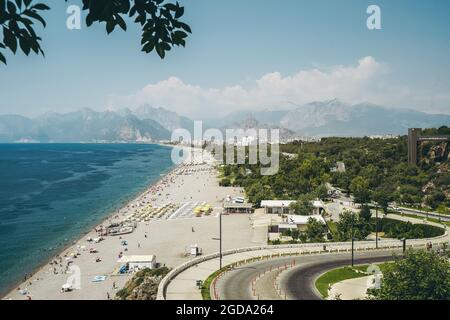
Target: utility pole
<point>353,254</point>
<point>353,239</point>
<point>220,240</point>
<point>376,226</point>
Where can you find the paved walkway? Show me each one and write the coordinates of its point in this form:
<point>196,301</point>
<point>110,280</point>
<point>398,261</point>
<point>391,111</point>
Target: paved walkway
<point>350,289</point>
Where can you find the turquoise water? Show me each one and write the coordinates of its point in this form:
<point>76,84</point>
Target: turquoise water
<point>52,193</point>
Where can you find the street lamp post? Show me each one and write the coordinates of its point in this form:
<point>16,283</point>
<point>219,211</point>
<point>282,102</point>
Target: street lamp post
<point>353,255</point>
<point>353,240</point>
<point>376,226</point>
<point>220,240</point>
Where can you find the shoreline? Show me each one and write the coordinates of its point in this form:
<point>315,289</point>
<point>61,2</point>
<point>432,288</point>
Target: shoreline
<point>164,231</point>
<point>104,220</point>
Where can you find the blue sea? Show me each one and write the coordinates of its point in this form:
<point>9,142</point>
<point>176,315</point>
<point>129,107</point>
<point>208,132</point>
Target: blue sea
<point>50,194</point>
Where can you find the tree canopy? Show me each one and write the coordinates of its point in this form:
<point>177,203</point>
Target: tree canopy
<point>421,275</point>
<point>376,169</point>
<point>315,230</point>
<point>303,206</point>
<point>360,189</point>
<point>352,223</point>
<point>161,26</point>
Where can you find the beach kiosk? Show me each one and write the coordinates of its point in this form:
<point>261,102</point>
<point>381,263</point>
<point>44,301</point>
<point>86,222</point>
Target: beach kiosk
<point>195,250</point>
<point>136,263</point>
<point>236,208</point>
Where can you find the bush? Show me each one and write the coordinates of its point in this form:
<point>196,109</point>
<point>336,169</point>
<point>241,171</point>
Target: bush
<point>225,182</point>
<point>400,229</point>
<point>421,275</point>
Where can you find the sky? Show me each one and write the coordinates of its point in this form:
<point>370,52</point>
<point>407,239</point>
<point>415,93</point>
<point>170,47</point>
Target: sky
<point>242,54</point>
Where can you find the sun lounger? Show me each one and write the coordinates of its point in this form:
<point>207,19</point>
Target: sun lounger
<point>99,279</point>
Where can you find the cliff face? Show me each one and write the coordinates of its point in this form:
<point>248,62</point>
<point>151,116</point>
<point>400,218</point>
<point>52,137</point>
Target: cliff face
<point>432,153</point>
<point>439,153</point>
<point>147,290</point>
<point>143,285</point>
<point>435,158</point>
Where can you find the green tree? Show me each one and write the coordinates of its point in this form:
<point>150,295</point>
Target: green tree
<point>295,234</point>
<point>421,275</point>
<point>435,199</point>
<point>344,225</point>
<point>342,180</point>
<point>226,171</point>
<point>302,206</point>
<point>371,174</point>
<point>258,192</point>
<point>225,182</point>
<point>315,230</point>
<point>321,192</point>
<point>162,28</point>
<point>410,194</point>
<point>365,214</point>
<point>381,197</point>
<point>351,223</point>
<point>360,189</point>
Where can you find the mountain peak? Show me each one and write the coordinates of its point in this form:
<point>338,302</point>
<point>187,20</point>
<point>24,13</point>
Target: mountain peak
<point>167,118</point>
<point>334,101</point>
<point>84,125</point>
<point>327,103</point>
<point>337,118</point>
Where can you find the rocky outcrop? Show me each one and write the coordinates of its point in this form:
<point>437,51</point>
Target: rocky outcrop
<point>143,285</point>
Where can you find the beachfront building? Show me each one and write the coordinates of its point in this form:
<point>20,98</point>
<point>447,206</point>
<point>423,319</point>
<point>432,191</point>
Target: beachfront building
<point>136,263</point>
<point>298,222</point>
<point>234,207</point>
<point>283,207</point>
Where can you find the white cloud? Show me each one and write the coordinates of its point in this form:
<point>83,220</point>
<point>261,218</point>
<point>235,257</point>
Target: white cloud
<point>361,82</point>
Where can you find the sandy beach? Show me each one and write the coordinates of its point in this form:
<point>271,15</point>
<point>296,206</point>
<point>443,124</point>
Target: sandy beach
<point>166,226</point>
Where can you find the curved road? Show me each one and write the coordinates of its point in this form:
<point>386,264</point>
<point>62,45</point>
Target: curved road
<point>297,283</point>
<point>423,214</point>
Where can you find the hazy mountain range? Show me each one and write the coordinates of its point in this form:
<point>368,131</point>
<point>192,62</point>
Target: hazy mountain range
<point>149,124</point>
<point>335,118</point>
<point>81,126</point>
